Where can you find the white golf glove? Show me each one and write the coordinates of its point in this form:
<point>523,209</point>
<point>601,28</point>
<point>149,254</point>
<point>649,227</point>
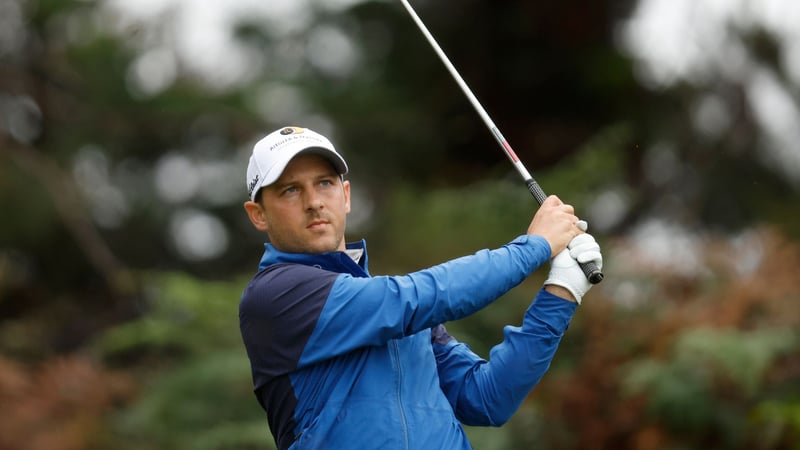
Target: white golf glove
<point>564,268</point>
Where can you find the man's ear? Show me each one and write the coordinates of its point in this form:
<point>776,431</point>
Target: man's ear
<point>256,214</point>
<point>346,188</point>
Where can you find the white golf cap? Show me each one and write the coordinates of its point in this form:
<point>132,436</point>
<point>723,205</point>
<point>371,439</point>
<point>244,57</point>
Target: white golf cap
<point>272,153</point>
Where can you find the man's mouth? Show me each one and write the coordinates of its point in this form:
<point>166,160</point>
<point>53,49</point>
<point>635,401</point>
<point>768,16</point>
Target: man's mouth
<point>317,224</point>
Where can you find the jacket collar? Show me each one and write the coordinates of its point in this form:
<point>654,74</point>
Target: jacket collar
<point>332,261</point>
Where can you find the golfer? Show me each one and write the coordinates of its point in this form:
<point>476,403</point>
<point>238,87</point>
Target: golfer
<point>345,360</point>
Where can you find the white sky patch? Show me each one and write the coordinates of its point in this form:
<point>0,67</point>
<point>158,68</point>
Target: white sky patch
<point>12,30</point>
<point>279,103</point>
<point>692,39</point>
<point>665,246</point>
<point>777,113</point>
<point>608,209</point>
<point>205,43</point>
<point>661,163</point>
<point>711,116</point>
<point>202,34</point>
<point>780,16</point>
<point>107,203</point>
<point>176,178</point>
<point>218,186</point>
<point>152,72</point>
<point>21,117</point>
<point>332,51</point>
<point>791,59</point>
<point>179,179</point>
<point>681,39</point>
<point>198,235</point>
<point>697,41</point>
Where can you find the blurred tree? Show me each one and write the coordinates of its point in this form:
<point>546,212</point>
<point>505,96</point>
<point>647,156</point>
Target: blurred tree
<point>138,161</point>
<point>198,393</point>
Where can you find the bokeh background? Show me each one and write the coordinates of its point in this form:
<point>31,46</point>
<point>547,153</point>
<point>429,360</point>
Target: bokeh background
<point>673,126</point>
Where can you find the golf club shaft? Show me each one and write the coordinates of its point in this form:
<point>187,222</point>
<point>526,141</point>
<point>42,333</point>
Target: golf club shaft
<point>590,269</point>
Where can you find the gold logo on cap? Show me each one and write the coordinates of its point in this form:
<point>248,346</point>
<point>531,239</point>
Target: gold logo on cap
<point>292,130</point>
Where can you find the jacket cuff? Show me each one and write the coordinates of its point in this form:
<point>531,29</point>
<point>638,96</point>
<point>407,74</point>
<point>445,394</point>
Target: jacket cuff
<point>552,310</point>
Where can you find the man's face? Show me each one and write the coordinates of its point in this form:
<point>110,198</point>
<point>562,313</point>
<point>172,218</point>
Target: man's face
<point>305,210</point>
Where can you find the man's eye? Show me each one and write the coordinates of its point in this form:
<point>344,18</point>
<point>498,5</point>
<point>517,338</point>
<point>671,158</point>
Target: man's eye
<point>290,190</point>
<point>326,182</point>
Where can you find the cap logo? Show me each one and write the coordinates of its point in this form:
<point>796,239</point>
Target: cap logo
<point>252,185</point>
<point>292,130</point>
<point>293,134</point>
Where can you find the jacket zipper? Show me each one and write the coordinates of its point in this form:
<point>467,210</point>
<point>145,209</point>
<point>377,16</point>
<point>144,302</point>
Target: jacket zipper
<point>396,351</point>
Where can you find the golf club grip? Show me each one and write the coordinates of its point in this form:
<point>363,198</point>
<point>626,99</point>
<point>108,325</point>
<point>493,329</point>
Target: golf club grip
<point>536,190</point>
<point>590,269</point>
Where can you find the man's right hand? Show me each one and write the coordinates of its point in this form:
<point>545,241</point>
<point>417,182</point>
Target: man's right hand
<point>556,222</point>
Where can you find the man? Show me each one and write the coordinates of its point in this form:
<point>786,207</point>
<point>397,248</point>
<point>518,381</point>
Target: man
<point>345,360</point>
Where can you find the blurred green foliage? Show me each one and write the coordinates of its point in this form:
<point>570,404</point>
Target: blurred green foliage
<point>198,393</point>
<point>185,317</point>
<point>205,403</point>
<point>692,391</point>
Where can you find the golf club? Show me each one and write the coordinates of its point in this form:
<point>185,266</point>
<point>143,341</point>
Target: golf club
<point>593,273</point>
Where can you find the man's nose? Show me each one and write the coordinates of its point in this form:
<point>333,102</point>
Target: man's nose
<point>313,199</point>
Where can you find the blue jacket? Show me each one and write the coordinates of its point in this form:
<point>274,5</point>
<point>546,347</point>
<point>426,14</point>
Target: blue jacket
<point>343,360</point>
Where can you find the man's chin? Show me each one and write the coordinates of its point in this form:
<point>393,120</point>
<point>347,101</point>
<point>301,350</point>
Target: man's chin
<point>311,244</point>
<point>324,246</point>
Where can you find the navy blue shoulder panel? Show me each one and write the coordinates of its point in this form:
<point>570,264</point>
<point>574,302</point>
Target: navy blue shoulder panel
<point>278,399</point>
<point>277,314</point>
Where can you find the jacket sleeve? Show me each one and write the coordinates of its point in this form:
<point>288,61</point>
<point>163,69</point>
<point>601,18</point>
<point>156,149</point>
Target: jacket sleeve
<point>370,311</point>
<point>487,393</point>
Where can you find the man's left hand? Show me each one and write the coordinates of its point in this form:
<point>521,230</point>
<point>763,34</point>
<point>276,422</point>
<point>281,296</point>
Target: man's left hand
<point>565,271</point>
